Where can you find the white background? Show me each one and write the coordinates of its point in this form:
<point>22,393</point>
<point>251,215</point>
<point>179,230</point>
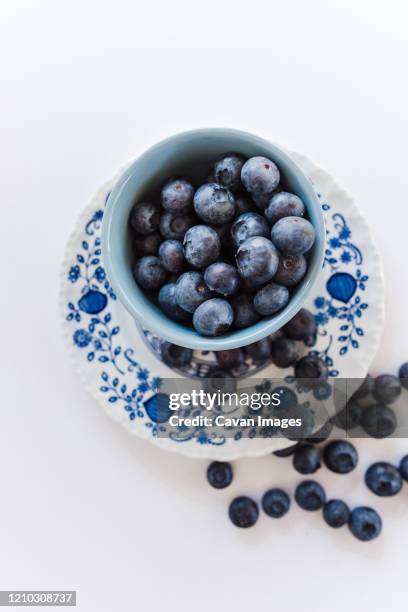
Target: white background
<point>86,85</point>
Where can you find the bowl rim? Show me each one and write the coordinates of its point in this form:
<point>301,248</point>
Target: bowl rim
<point>172,331</point>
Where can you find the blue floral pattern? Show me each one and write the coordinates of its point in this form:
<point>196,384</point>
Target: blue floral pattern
<point>130,387</point>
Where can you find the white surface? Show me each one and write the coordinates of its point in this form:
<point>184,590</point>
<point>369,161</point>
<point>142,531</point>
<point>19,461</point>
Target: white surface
<point>86,85</point>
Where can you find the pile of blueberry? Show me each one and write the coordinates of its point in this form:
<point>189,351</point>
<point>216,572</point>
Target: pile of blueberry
<point>339,456</point>
<point>225,254</point>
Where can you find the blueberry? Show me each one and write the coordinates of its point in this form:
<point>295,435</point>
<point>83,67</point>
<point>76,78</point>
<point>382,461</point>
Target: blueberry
<point>282,205</point>
<point>366,388</point>
<point>336,513</point>
<point>147,245</point>
<point>149,273</point>
<point>306,459</point>
<point>311,371</point>
<point>230,359</point>
<point>248,225</point>
<point>222,278</point>
<point>260,351</point>
<point>227,171</point>
<point>291,270</point>
<point>379,421</point>
<point>175,356</point>
<point>349,417</point>
<point>245,314</point>
<point>383,479</point>
<point>191,291</point>
<point>171,255</point>
<point>286,452</point>
<point>260,177</point>
<point>293,235</point>
<point>175,227</point>
<point>219,380</point>
<point>145,218</point>
<point>270,299</point>
<point>219,474</point>
<point>302,326</point>
<point>213,318</point>
<point>387,388</point>
<point>287,398</point>
<point>201,246</point>
<point>284,352</point>
<point>340,456</point>
<point>167,301</point>
<point>214,204</point>
<point>177,196</point>
<point>244,204</point>
<point>403,467</point>
<point>365,523</point>
<point>403,375</point>
<point>243,512</point>
<point>275,503</point>
<point>310,495</point>
<point>257,258</point>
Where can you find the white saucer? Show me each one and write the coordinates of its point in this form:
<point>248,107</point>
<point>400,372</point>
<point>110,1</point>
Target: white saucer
<point>122,374</point>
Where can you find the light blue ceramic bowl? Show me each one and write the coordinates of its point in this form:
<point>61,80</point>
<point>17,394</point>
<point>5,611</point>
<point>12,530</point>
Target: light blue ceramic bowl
<point>191,154</point>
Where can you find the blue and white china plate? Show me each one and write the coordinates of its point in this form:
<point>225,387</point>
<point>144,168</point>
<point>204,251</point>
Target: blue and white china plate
<point>123,374</point>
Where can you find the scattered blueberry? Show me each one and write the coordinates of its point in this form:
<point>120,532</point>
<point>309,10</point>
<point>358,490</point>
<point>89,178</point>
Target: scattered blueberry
<point>257,258</point>
<point>167,301</point>
<point>336,513</point>
<point>201,246</point>
<point>291,270</point>
<point>245,314</point>
<point>230,359</point>
<point>310,495</point>
<point>403,375</point>
<point>387,388</point>
<point>340,456</point>
<point>222,278</point>
<point>175,356</point>
<point>213,317</point>
<point>306,459</point>
<point>300,422</point>
<point>403,467</point>
<point>366,388</point>
<point>149,273</point>
<point>270,299</point>
<point>284,352</point>
<point>275,503</point>
<point>145,218</point>
<point>175,227</point>
<point>365,523</point>
<point>147,245</point>
<point>191,291</point>
<point>383,479</point>
<point>214,204</point>
<point>243,512</point>
<point>349,417</point>
<point>282,205</point>
<point>323,391</point>
<point>287,398</point>
<point>260,177</point>
<point>379,421</point>
<point>219,474</point>
<point>227,171</point>
<point>177,196</point>
<point>260,351</point>
<point>293,235</point>
<point>302,326</point>
<point>248,225</point>
<point>219,380</point>
<point>171,255</point>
